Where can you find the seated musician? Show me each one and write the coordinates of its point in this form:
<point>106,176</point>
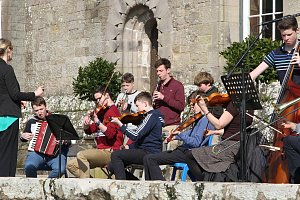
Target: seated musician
<point>292,151</point>
<point>146,139</point>
<point>125,100</point>
<point>205,159</point>
<point>191,138</point>
<point>107,136</point>
<point>42,160</point>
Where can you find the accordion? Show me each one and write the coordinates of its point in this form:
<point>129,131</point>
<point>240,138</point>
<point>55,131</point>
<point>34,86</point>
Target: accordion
<point>43,140</point>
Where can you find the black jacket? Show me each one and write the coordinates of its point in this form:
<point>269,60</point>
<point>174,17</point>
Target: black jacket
<point>10,94</point>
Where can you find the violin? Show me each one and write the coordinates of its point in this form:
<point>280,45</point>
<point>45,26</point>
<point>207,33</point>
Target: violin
<point>185,124</point>
<point>134,118</point>
<point>214,99</point>
<point>99,111</point>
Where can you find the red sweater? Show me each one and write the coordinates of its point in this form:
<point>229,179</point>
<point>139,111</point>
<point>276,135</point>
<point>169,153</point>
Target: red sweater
<point>113,136</point>
<point>173,103</point>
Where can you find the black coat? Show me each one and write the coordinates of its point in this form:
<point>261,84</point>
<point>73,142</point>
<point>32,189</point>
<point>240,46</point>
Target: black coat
<point>10,94</point>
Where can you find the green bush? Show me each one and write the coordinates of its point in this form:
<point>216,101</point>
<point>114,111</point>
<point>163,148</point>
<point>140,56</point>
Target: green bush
<point>96,73</point>
<point>256,55</point>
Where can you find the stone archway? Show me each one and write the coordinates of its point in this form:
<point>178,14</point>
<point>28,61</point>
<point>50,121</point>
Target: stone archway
<point>139,45</point>
<point>133,32</point>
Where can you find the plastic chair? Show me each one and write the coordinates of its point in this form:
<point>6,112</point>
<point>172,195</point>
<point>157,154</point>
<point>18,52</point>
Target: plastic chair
<point>184,167</point>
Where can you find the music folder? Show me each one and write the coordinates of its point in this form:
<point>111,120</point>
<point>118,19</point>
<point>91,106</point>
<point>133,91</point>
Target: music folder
<point>62,128</point>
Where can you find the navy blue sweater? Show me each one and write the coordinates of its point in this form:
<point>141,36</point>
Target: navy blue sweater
<point>148,135</point>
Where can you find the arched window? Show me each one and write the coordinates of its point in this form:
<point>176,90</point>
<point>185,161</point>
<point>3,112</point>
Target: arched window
<point>256,12</point>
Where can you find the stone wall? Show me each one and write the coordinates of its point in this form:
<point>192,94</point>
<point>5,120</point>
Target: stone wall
<point>53,38</point>
<point>79,189</point>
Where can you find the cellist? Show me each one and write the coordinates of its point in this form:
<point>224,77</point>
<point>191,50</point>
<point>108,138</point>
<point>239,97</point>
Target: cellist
<point>280,58</point>
<point>285,59</point>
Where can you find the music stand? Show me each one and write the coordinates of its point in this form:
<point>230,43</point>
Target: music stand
<point>242,92</point>
<point>62,128</point>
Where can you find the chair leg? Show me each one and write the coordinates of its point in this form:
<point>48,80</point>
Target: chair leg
<point>184,173</point>
<point>173,173</point>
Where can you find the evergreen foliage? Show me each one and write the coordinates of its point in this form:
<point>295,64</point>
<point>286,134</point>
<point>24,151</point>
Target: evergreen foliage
<point>256,55</point>
<point>96,73</point>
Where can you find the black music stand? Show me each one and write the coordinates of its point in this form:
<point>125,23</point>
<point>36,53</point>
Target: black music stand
<point>62,128</point>
<point>242,92</point>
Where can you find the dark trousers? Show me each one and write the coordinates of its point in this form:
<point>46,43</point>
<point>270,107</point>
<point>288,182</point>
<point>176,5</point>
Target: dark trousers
<point>122,158</point>
<point>194,168</point>
<point>9,150</point>
<point>291,146</point>
<point>152,161</point>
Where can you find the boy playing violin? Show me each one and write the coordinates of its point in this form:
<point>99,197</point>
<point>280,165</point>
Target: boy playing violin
<point>108,138</point>
<point>146,138</point>
<point>191,138</point>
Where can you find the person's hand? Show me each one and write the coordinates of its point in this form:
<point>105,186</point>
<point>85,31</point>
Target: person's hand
<point>23,104</point>
<point>116,120</point>
<point>157,95</point>
<point>27,136</point>
<point>289,125</point>
<point>86,122</point>
<point>39,91</point>
<point>295,59</point>
<point>202,105</point>
<point>208,132</point>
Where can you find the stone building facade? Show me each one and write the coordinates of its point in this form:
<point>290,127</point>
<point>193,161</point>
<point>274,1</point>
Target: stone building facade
<point>53,38</point>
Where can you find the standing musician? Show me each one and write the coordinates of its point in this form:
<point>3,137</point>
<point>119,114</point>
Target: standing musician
<point>42,160</point>
<point>192,138</point>
<point>146,138</point>
<point>11,99</point>
<point>168,96</point>
<point>285,60</point>
<point>125,100</point>
<point>107,136</point>
<point>204,159</point>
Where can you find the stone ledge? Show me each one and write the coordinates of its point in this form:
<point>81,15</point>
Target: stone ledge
<point>71,188</point>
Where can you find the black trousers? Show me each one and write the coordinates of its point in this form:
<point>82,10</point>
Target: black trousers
<point>122,158</point>
<point>9,150</point>
<point>291,146</point>
<point>152,161</point>
<point>194,168</point>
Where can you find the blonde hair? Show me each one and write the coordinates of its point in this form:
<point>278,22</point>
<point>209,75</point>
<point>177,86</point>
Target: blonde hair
<point>4,45</point>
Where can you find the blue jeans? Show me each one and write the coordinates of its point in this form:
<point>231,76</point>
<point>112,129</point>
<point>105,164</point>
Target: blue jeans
<point>37,161</point>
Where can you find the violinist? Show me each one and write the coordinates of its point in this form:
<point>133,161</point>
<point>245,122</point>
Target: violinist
<point>203,159</point>
<point>146,138</point>
<point>125,100</point>
<point>191,138</point>
<point>292,151</point>
<point>108,137</point>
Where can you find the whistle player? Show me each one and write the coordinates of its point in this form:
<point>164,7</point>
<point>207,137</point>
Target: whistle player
<point>107,136</point>
<point>283,56</point>
<point>36,160</point>
<point>192,138</point>
<point>125,100</point>
<point>146,138</point>
<point>168,96</point>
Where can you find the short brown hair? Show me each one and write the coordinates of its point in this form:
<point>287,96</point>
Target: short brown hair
<point>144,96</point>
<point>194,94</point>
<point>287,23</point>
<point>203,78</point>
<point>162,61</point>
<point>38,101</point>
<point>127,78</point>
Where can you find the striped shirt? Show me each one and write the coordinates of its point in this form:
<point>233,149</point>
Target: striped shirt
<point>280,60</point>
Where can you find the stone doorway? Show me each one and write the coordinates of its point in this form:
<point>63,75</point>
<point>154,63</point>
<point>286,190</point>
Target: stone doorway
<point>140,46</point>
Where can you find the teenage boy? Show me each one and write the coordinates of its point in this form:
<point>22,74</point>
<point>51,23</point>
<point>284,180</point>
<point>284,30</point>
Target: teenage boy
<point>147,138</point>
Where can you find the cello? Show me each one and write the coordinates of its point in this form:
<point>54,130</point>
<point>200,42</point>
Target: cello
<point>277,171</point>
